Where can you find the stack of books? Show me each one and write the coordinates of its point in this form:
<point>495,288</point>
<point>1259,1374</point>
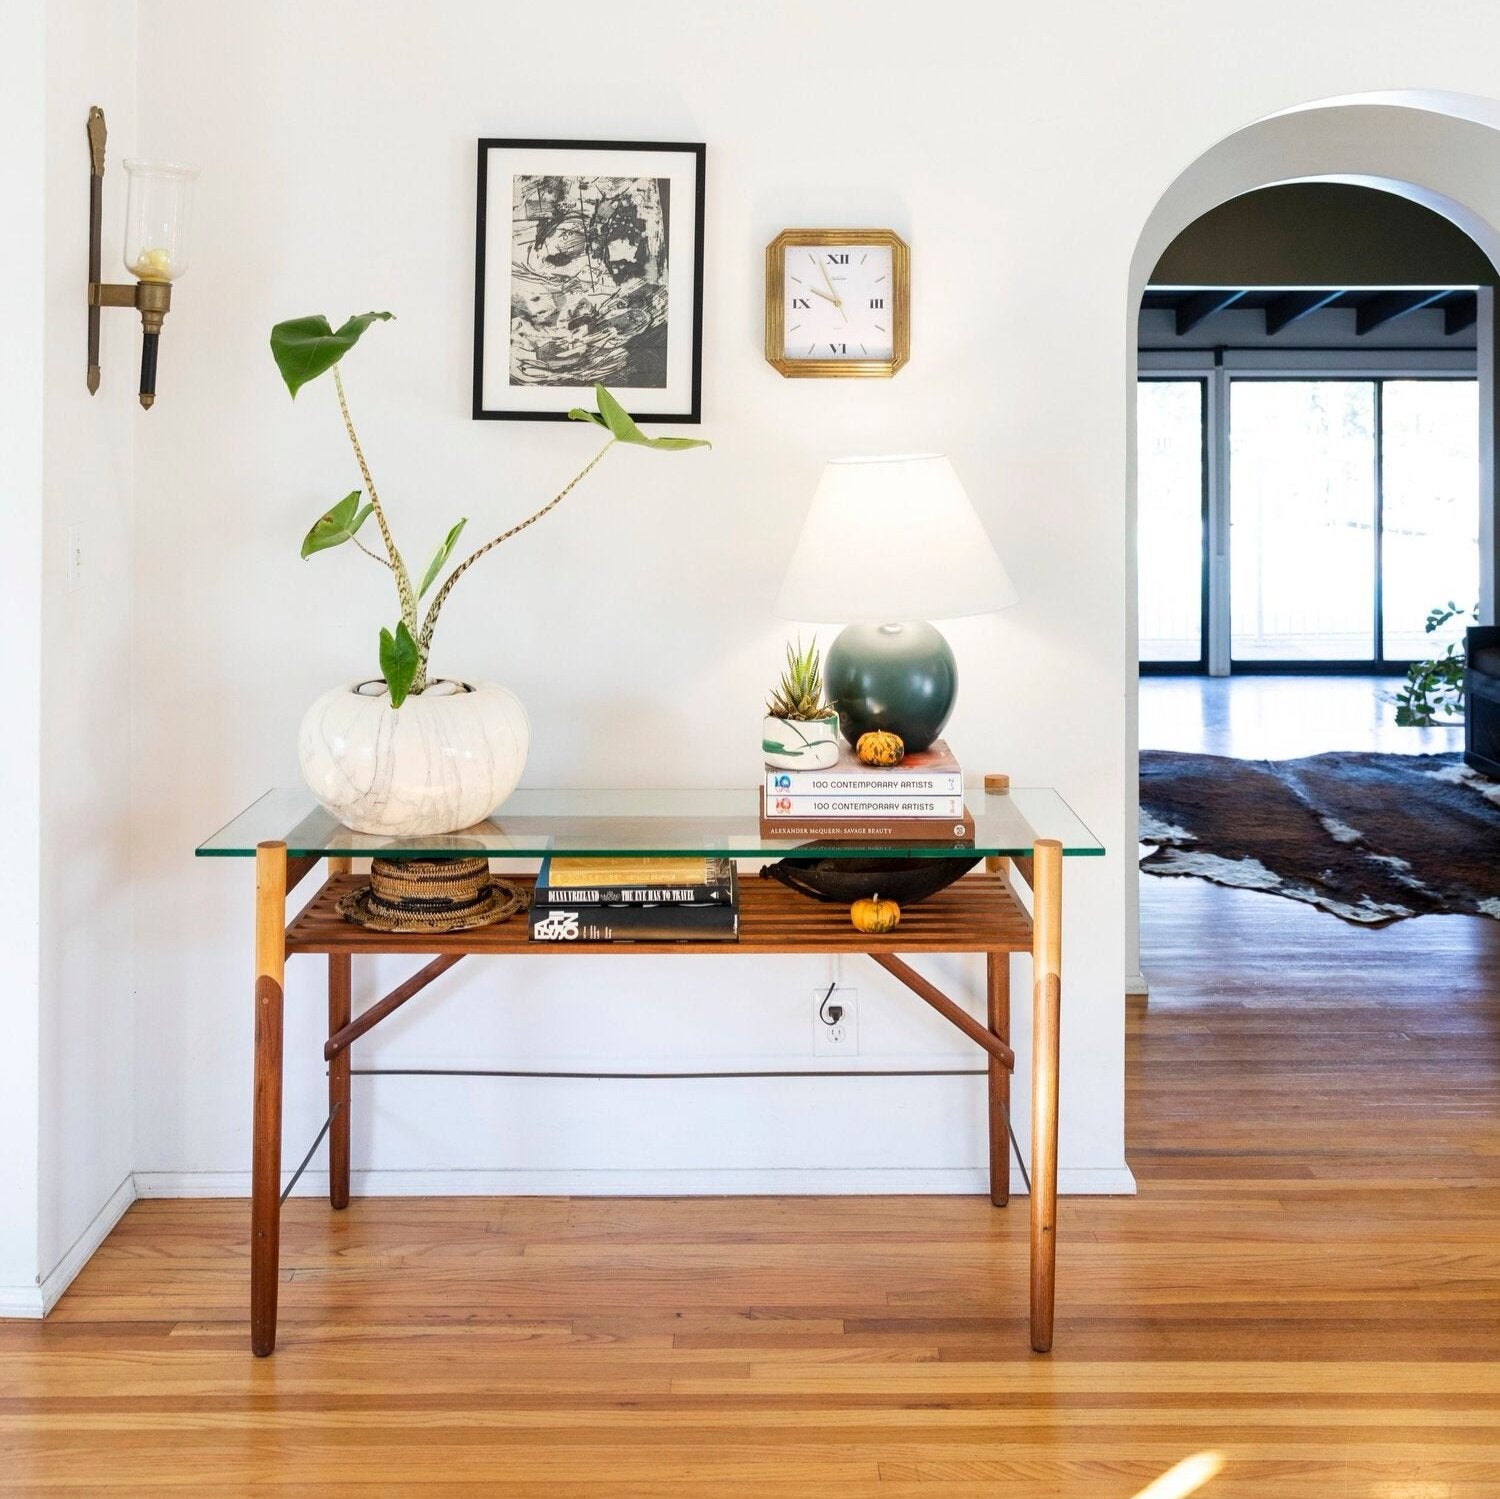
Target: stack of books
<point>636,900</point>
<point>921,799</point>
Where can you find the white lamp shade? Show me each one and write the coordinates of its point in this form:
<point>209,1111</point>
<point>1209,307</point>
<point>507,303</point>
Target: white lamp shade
<point>892,539</point>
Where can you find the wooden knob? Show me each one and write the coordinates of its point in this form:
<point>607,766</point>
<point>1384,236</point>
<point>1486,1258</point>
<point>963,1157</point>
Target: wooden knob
<point>996,782</point>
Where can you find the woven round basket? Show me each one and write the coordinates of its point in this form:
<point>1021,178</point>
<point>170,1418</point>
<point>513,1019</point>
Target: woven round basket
<point>430,895</point>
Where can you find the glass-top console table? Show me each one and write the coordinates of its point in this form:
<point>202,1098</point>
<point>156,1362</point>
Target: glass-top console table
<point>638,823</point>
<point>1013,905</point>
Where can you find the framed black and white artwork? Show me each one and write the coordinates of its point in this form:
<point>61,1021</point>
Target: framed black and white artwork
<point>588,270</point>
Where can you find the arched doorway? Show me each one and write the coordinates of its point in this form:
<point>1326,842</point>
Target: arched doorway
<point>1440,151</point>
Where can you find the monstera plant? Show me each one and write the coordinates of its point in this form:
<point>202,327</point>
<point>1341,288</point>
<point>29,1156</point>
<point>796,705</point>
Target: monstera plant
<point>409,753</point>
<point>307,347</point>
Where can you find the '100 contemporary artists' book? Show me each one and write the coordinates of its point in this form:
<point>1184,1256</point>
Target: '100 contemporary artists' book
<point>782,823</point>
<point>931,773</point>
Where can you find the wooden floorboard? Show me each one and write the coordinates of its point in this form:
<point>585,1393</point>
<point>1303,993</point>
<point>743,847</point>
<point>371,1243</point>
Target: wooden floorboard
<point>1307,1286</point>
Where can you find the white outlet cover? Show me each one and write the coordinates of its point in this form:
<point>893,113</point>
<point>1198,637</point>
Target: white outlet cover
<point>841,1040</point>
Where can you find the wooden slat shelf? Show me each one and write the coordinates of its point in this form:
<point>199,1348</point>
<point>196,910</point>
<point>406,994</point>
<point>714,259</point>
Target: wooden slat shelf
<point>977,914</point>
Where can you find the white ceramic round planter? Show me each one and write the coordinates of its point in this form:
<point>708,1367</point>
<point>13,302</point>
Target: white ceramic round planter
<point>800,743</point>
<point>442,761</point>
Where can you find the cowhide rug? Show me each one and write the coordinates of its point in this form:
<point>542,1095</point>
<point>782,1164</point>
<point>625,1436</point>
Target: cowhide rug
<point>1371,838</point>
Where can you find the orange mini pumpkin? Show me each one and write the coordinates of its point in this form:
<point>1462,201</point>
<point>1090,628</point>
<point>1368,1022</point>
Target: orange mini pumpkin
<point>880,747</point>
<point>874,915</point>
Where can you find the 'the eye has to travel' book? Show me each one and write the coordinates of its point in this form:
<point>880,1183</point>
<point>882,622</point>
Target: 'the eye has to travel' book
<point>688,881</point>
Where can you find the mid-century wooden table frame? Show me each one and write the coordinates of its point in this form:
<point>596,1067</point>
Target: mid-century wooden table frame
<point>982,913</point>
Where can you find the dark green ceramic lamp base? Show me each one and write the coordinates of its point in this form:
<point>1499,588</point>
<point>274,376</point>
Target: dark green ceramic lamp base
<point>897,677</point>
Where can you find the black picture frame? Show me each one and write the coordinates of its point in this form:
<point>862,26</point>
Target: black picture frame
<point>580,394</point>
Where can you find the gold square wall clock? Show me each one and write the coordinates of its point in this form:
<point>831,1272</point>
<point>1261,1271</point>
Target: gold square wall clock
<point>838,303</point>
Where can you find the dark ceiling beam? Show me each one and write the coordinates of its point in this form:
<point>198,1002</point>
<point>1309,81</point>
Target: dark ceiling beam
<point>1286,310</point>
<point>1379,311</point>
<point>1192,310</point>
<point>1462,312</point>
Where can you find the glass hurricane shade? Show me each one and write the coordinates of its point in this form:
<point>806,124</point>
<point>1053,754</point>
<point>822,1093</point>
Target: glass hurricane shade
<point>888,544</point>
<point>158,216</point>
<point>890,539</point>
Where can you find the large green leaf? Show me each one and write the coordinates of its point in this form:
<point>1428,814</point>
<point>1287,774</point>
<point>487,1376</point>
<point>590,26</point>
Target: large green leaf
<point>441,556</point>
<point>336,526</point>
<point>398,662</point>
<point>306,347</point>
<point>620,425</point>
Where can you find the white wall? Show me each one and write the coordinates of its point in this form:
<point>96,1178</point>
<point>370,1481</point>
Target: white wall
<point>66,1102</point>
<point>22,104</point>
<point>337,176</point>
<point>1020,150</point>
<point>89,682</point>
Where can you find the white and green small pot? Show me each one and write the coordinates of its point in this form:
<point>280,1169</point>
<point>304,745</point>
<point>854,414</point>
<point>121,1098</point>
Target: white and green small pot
<point>801,743</point>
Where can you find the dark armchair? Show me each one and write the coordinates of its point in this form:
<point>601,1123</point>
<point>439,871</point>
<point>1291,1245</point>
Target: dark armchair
<point>1482,699</point>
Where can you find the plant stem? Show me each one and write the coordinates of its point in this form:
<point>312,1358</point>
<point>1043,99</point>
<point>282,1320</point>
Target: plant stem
<point>424,640</point>
<point>398,567</point>
<point>373,556</point>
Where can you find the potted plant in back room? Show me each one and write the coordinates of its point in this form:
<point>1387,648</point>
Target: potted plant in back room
<point>406,752</point>
<point>801,730</point>
<point>1433,692</point>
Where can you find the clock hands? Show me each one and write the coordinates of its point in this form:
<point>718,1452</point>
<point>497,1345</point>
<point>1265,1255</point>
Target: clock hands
<point>832,295</point>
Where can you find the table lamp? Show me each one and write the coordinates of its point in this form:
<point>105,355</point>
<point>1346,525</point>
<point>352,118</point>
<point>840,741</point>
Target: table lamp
<point>888,544</point>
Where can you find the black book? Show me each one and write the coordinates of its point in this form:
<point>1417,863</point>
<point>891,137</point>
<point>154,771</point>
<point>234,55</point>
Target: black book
<point>682,922</point>
<point>615,883</point>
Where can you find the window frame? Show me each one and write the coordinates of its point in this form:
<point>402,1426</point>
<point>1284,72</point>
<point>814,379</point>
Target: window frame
<point>1220,367</point>
<point>1189,666</point>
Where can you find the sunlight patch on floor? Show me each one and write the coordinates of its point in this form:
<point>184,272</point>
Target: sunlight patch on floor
<point>1184,1478</point>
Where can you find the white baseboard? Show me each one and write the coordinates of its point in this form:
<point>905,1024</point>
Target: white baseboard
<point>60,1277</point>
<point>35,1301</point>
<point>1135,983</point>
<point>39,1299</point>
<point>21,1301</point>
<point>1081,1181</point>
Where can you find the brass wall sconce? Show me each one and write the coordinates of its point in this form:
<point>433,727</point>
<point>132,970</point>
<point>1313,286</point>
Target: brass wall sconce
<point>156,238</point>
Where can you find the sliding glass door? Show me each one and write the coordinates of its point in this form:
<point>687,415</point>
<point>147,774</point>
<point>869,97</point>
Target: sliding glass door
<point>1302,520</point>
<point>1170,530</point>
<point>1429,510</point>
<point>1345,509</point>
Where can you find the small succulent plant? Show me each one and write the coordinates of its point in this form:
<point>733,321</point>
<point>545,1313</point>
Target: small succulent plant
<point>799,694</point>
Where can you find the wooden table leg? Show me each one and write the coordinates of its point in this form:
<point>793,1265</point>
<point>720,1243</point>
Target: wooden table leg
<point>339,1014</point>
<point>1046,959</point>
<point>265,1174</point>
<point>338,1082</point>
<point>998,991</point>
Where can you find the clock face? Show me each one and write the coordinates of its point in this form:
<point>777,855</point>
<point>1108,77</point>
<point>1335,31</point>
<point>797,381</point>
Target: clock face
<point>838,302</point>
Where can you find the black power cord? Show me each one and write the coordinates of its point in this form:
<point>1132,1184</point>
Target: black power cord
<point>827,1013</point>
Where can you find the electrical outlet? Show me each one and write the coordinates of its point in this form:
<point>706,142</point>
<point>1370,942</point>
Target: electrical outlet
<point>840,1038</point>
<point>75,558</point>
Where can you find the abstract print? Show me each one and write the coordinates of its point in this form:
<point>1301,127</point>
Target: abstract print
<point>589,281</point>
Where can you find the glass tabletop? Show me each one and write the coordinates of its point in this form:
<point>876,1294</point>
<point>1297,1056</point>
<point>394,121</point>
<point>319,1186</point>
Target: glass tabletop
<point>642,823</point>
